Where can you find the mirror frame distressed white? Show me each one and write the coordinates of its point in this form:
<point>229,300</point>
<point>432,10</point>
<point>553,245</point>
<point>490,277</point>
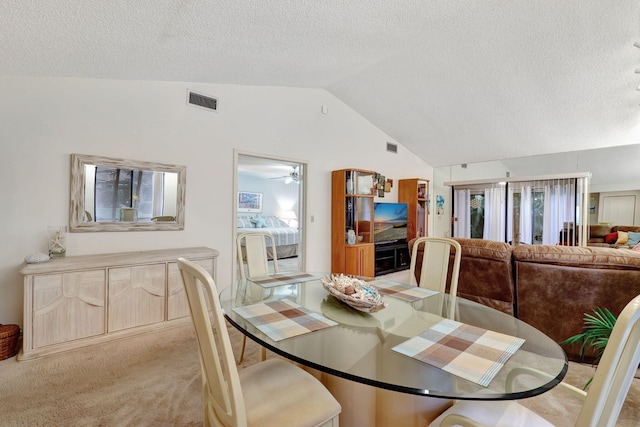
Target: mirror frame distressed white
<point>77,206</point>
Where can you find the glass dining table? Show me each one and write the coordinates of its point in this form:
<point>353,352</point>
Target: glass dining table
<point>359,356</point>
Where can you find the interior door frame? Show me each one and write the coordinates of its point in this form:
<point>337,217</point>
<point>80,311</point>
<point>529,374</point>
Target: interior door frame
<point>302,206</point>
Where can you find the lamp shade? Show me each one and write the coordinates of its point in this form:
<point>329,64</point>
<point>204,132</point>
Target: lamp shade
<point>289,217</point>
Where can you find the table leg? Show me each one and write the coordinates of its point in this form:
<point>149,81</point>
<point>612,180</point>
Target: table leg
<point>367,406</point>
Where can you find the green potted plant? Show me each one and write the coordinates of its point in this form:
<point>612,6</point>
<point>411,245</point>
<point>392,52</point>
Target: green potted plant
<point>596,332</point>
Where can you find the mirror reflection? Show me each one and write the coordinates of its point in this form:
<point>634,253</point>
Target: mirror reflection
<point>110,194</point>
<point>613,189</point>
<point>122,194</point>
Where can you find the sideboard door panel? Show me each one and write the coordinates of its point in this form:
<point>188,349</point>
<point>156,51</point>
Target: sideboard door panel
<point>136,296</point>
<point>68,307</point>
<point>178,306</point>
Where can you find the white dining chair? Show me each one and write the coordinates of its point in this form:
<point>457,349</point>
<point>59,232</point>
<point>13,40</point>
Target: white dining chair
<point>270,393</point>
<point>255,253</point>
<point>601,403</point>
<point>435,268</point>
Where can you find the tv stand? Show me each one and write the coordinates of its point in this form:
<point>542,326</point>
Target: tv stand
<point>391,257</point>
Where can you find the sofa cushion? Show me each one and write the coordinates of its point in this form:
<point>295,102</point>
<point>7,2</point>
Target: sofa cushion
<point>599,230</point>
<point>611,238</point>
<point>635,228</point>
<point>623,238</point>
<point>557,285</point>
<point>634,238</point>
<point>574,256</point>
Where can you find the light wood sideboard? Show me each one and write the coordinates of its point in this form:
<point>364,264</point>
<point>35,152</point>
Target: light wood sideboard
<point>77,301</point>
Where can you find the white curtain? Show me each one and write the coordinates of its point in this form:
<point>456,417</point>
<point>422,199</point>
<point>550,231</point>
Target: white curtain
<point>510,215</point>
<point>494,213</point>
<point>559,211</point>
<point>526,215</point>
<point>461,213</point>
<point>158,193</point>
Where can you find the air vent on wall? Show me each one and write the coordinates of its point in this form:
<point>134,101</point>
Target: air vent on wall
<point>198,100</point>
<point>392,148</point>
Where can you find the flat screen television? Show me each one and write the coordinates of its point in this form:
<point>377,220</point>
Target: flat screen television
<point>389,223</point>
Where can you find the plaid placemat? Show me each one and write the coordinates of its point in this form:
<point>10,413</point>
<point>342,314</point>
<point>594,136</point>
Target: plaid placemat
<point>402,291</point>
<point>282,319</point>
<point>469,352</point>
<point>283,279</point>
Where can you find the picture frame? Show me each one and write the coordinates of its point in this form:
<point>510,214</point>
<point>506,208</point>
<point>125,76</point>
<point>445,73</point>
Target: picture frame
<point>249,202</point>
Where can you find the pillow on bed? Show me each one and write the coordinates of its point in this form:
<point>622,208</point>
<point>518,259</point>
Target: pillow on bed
<point>259,221</point>
<point>272,221</point>
<point>244,222</point>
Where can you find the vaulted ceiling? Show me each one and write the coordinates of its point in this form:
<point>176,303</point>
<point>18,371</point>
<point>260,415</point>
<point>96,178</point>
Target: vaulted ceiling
<point>455,81</point>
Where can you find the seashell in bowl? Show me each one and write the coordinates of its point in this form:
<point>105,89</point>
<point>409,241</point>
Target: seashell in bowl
<point>354,292</point>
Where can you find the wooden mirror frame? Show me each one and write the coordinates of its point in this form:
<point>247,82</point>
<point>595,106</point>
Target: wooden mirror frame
<point>77,222</point>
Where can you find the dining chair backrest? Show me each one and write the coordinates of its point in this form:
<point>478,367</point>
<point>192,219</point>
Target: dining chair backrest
<point>223,394</point>
<point>601,404</point>
<point>615,371</point>
<point>255,253</point>
<point>435,268</point>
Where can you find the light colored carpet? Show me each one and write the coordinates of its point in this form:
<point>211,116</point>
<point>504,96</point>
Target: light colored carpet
<point>154,380</point>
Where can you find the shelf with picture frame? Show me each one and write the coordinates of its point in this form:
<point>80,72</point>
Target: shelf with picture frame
<point>352,247</point>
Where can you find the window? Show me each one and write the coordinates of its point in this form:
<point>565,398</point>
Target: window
<point>476,208</point>
<point>545,211</point>
<point>123,188</point>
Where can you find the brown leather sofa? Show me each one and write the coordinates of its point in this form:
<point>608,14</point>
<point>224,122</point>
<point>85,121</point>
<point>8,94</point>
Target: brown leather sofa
<point>598,233</point>
<point>550,287</point>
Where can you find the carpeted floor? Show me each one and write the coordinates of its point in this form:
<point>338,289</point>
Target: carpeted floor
<point>154,380</point>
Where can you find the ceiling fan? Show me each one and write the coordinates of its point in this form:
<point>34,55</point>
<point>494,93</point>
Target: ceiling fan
<point>293,176</point>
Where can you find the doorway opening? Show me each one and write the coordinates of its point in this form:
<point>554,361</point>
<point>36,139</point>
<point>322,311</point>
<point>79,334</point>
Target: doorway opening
<point>270,196</point>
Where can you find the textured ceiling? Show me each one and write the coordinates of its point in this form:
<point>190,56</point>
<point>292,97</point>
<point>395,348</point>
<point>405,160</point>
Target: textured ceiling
<point>454,81</point>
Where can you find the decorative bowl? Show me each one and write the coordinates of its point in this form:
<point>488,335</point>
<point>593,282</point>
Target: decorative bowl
<point>354,292</point>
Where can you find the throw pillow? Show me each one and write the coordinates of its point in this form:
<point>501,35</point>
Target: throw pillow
<point>636,247</point>
<point>244,222</point>
<point>611,238</point>
<point>259,221</point>
<point>634,238</point>
<point>623,238</point>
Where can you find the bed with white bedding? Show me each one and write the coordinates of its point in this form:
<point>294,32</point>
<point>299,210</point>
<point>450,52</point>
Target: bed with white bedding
<point>285,237</point>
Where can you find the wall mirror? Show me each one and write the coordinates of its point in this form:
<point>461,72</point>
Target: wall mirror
<point>111,194</point>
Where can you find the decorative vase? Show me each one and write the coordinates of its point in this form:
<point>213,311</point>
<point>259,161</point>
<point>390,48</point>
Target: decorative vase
<point>57,241</point>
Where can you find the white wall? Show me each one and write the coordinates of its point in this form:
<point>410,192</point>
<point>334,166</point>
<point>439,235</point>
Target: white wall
<point>44,120</point>
<point>276,194</point>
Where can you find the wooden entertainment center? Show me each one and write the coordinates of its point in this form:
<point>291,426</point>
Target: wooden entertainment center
<point>353,248</point>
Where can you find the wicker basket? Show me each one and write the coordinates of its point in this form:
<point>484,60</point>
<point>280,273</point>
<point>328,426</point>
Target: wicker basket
<point>8,340</point>
<point>369,305</point>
